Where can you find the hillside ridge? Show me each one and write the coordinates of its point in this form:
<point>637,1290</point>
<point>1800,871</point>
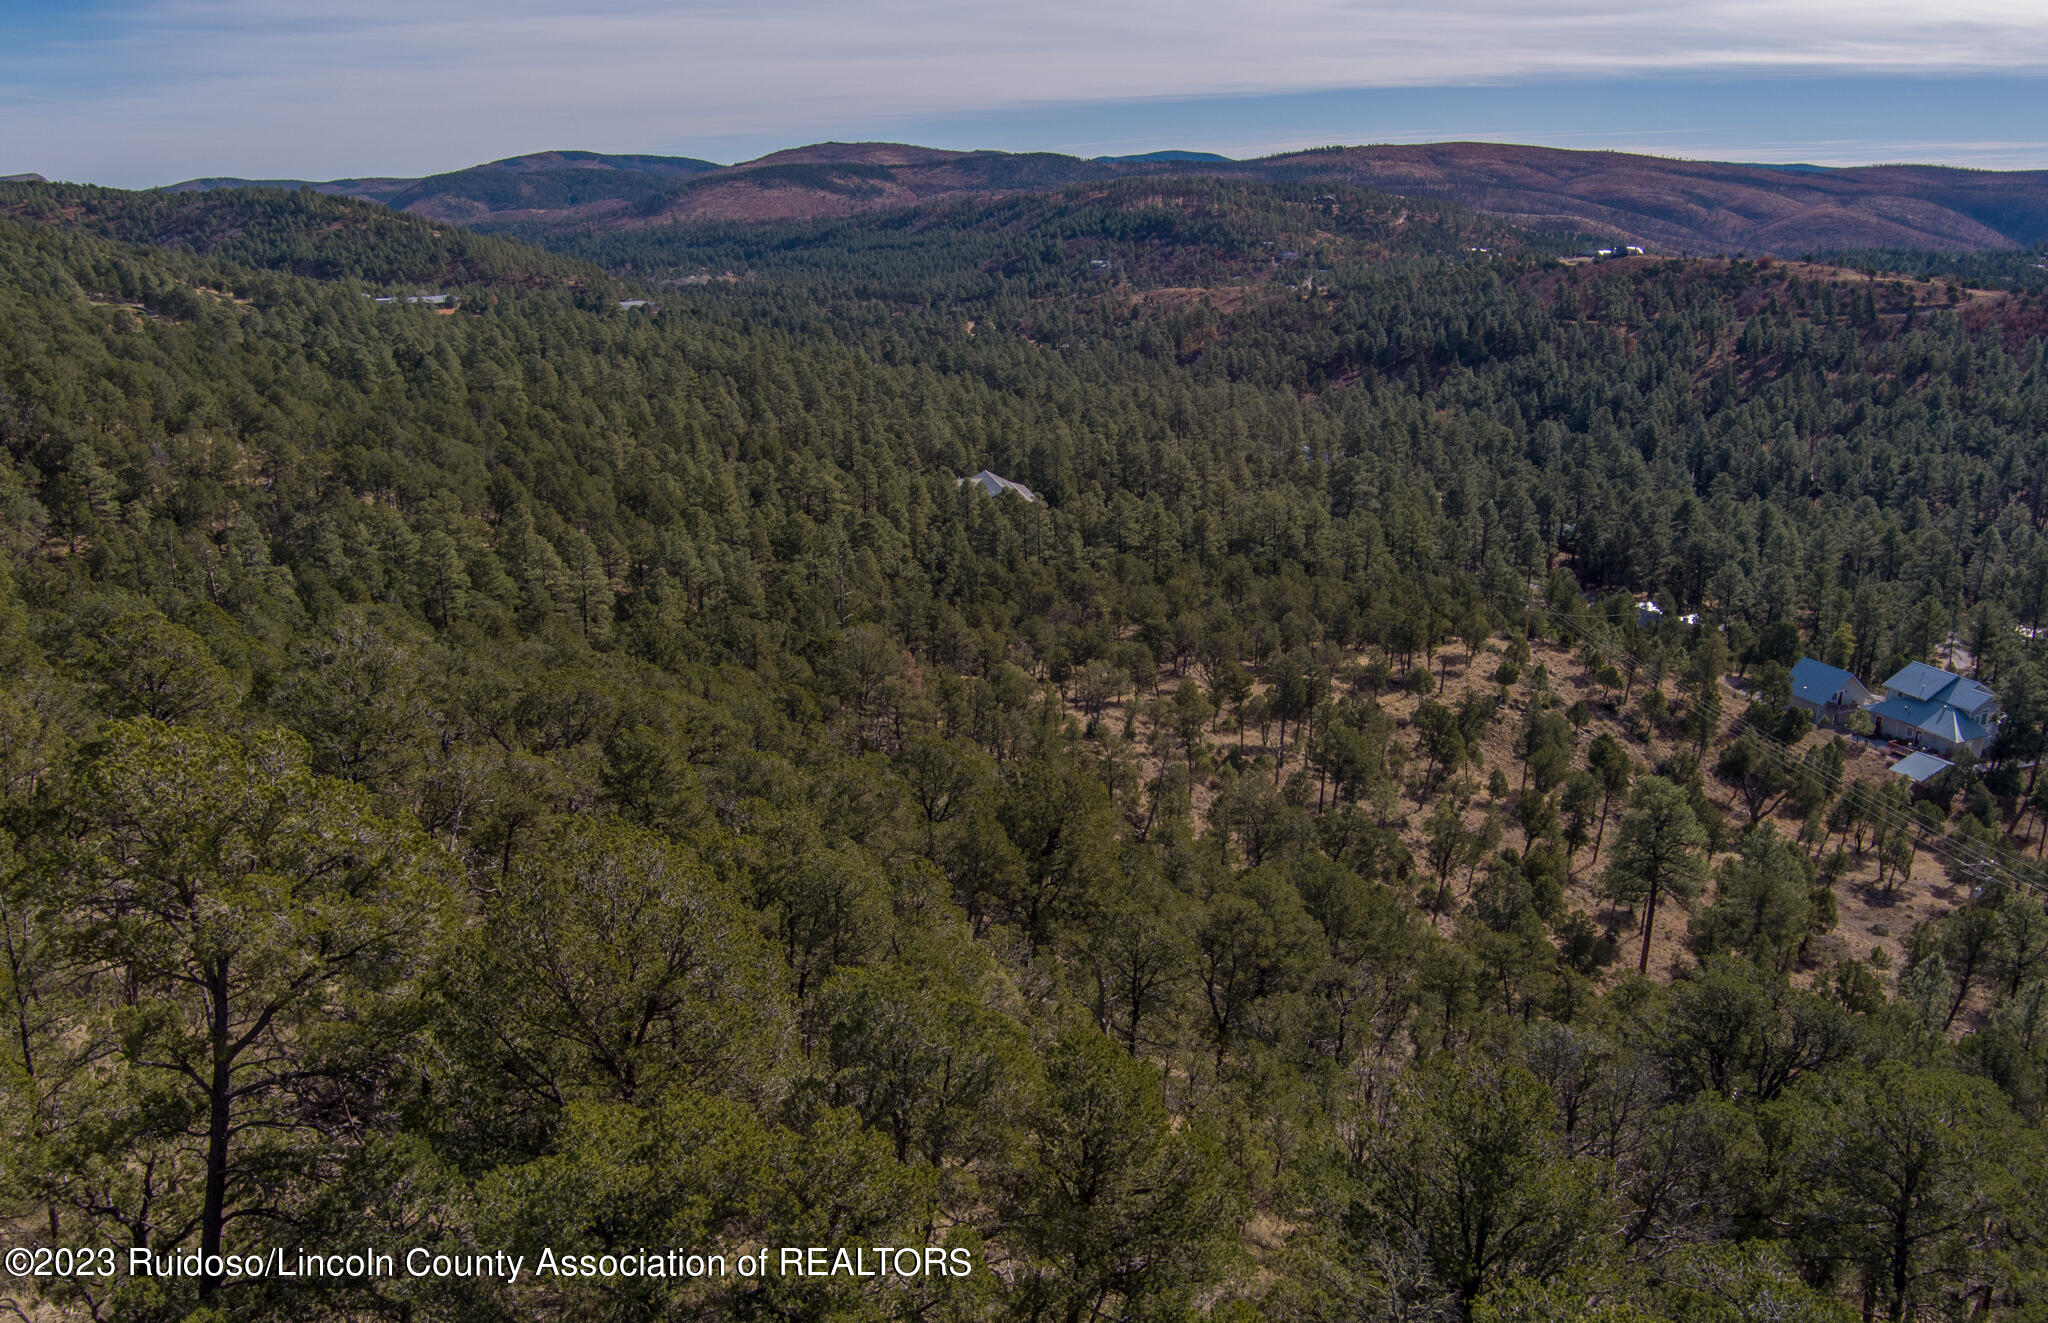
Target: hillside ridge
<point>1666,204</point>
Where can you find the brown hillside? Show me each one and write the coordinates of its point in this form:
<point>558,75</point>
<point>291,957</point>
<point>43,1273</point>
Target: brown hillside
<point>853,153</point>
<point>1704,206</point>
<point>1665,205</point>
<point>1870,918</point>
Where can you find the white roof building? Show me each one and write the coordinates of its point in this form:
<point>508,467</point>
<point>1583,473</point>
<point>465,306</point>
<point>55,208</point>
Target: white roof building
<point>995,484</point>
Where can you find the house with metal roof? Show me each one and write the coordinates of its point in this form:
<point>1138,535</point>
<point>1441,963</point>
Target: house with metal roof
<point>995,484</point>
<point>1827,693</point>
<point>1934,725</point>
<point>1937,709</point>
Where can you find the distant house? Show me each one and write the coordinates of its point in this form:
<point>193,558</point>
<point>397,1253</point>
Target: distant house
<point>995,485</point>
<point>1648,614</point>
<point>630,304</point>
<point>1937,709</point>
<point>1827,693</point>
<point>433,300</point>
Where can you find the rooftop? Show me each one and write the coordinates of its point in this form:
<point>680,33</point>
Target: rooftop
<point>995,484</point>
<point>1820,684</point>
<point>1932,716</point>
<point>1918,767</point>
<point>1931,683</point>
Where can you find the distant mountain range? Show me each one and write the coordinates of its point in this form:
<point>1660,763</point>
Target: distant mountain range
<point>1662,204</point>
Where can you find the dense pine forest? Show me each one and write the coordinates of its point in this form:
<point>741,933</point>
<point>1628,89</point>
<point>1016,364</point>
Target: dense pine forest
<point>528,773</point>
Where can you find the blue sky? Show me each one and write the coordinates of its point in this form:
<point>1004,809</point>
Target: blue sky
<point>139,92</point>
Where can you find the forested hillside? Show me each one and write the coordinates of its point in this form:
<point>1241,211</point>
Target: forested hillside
<point>1133,234</point>
<point>305,233</point>
<point>555,776</point>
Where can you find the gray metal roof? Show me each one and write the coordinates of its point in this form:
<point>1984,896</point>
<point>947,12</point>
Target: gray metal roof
<point>1918,767</point>
<point>995,484</point>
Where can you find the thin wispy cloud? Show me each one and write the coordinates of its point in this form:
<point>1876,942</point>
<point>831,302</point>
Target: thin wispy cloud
<point>160,89</point>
